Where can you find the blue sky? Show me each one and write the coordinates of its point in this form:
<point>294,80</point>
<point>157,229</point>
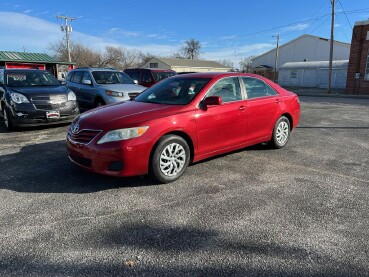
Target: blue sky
<point>231,30</point>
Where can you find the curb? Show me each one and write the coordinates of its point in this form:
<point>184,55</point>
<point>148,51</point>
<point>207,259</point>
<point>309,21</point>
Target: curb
<point>336,95</point>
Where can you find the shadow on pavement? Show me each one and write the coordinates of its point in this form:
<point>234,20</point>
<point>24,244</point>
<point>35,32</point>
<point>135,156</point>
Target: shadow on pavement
<point>45,168</point>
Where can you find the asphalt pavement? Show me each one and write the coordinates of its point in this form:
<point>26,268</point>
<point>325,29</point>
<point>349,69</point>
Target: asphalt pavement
<point>298,211</point>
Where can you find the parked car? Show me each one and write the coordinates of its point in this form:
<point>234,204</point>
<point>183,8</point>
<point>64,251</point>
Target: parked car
<point>31,97</point>
<point>183,119</point>
<point>96,87</point>
<point>148,77</point>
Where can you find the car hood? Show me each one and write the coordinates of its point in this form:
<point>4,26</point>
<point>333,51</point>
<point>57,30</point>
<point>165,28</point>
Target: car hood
<point>123,87</point>
<point>39,90</point>
<point>124,114</point>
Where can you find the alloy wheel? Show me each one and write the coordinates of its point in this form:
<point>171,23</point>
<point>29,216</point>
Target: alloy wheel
<point>282,132</point>
<point>172,159</point>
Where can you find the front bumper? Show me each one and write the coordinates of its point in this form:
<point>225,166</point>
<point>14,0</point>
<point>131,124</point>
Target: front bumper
<point>26,115</point>
<point>123,158</point>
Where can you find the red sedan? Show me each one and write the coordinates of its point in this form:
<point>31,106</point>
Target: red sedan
<point>183,119</point>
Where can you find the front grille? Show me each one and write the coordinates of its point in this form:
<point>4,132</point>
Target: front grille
<point>132,95</point>
<point>49,107</point>
<point>40,98</point>
<point>49,102</point>
<point>83,136</point>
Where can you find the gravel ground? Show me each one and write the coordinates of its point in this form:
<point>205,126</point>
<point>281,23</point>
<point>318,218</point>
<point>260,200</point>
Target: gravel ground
<point>299,211</point>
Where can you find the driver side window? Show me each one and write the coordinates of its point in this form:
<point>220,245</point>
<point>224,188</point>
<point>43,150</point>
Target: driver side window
<point>228,88</point>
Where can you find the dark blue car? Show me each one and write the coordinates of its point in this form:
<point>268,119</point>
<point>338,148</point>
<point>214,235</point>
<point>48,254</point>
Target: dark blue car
<point>30,97</point>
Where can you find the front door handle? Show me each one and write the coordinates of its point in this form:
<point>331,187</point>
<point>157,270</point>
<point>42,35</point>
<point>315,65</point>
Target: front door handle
<point>242,108</point>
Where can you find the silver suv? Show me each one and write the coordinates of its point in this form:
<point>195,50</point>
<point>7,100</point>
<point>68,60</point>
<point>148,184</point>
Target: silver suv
<point>95,87</point>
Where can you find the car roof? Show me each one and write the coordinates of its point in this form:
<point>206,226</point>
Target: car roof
<point>150,69</point>
<point>218,74</point>
<point>96,69</point>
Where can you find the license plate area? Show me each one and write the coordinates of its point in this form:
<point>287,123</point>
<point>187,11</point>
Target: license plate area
<point>53,114</point>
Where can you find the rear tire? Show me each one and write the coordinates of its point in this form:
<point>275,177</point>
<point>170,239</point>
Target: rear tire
<point>281,133</point>
<point>170,159</point>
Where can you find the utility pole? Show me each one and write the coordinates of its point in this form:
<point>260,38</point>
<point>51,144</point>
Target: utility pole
<point>68,29</point>
<point>276,59</point>
<point>331,51</point>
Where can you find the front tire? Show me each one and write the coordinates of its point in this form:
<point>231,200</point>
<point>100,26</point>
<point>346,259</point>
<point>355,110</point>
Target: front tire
<point>170,159</point>
<point>7,120</point>
<point>99,103</point>
<point>281,133</point>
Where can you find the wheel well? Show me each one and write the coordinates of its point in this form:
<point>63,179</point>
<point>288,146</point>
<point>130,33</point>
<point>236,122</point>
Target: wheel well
<point>180,134</point>
<point>289,117</point>
<point>99,99</point>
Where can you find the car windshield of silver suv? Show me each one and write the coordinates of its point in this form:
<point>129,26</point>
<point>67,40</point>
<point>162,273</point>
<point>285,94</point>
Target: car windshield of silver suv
<point>111,77</point>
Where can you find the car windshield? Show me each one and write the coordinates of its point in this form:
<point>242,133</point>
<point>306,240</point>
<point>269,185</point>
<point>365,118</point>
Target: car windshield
<point>32,78</point>
<point>173,91</point>
<point>111,77</point>
<point>158,76</point>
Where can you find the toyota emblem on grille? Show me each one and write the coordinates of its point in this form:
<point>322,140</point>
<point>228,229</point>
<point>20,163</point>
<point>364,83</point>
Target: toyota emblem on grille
<point>75,128</point>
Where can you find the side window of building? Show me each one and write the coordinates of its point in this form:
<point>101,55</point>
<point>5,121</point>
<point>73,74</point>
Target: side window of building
<point>256,88</point>
<point>229,89</point>
<point>77,77</point>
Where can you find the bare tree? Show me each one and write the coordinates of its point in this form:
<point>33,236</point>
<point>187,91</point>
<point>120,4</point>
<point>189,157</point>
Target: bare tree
<point>144,58</point>
<point>191,49</point>
<point>227,63</point>
<point>116,57</point>
<point>246,64</point>
<point>80,54</point>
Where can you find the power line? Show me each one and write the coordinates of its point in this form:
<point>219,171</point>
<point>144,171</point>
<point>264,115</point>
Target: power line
<point>293,23</point>
<point>345,14</point>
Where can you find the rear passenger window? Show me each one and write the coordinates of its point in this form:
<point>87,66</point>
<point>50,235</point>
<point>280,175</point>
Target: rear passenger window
<point>77,77</point>
<point>256,88</point>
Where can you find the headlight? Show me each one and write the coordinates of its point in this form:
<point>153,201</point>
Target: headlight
<point>71,96</point>
<point>18,98</point>
<point>123,134</point>
<point>114,93</point>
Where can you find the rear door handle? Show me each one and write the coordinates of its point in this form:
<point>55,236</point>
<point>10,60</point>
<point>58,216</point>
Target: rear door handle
<point>242,108</point>
<point>277,101</point>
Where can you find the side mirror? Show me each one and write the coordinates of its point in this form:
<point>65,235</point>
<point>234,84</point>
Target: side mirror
<point>212,101</point>
<point>136,82</point>
<point>62,82</point>
<point>87,82</point>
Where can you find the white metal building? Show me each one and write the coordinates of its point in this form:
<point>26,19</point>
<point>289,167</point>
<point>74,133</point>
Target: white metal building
<point>185,65</point>
<point>304,48</point>
<point>313,74</point>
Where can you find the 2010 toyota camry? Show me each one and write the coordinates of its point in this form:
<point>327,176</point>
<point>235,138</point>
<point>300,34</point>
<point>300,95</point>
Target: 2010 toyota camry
<point>180,120</point>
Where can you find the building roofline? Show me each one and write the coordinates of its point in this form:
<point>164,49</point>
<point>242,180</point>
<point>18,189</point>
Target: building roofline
<point>296,39</point>
<point>218,65</point>
<point>40,58</point>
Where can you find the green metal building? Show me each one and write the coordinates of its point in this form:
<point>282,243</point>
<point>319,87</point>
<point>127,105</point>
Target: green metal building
<point>10,59</point>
